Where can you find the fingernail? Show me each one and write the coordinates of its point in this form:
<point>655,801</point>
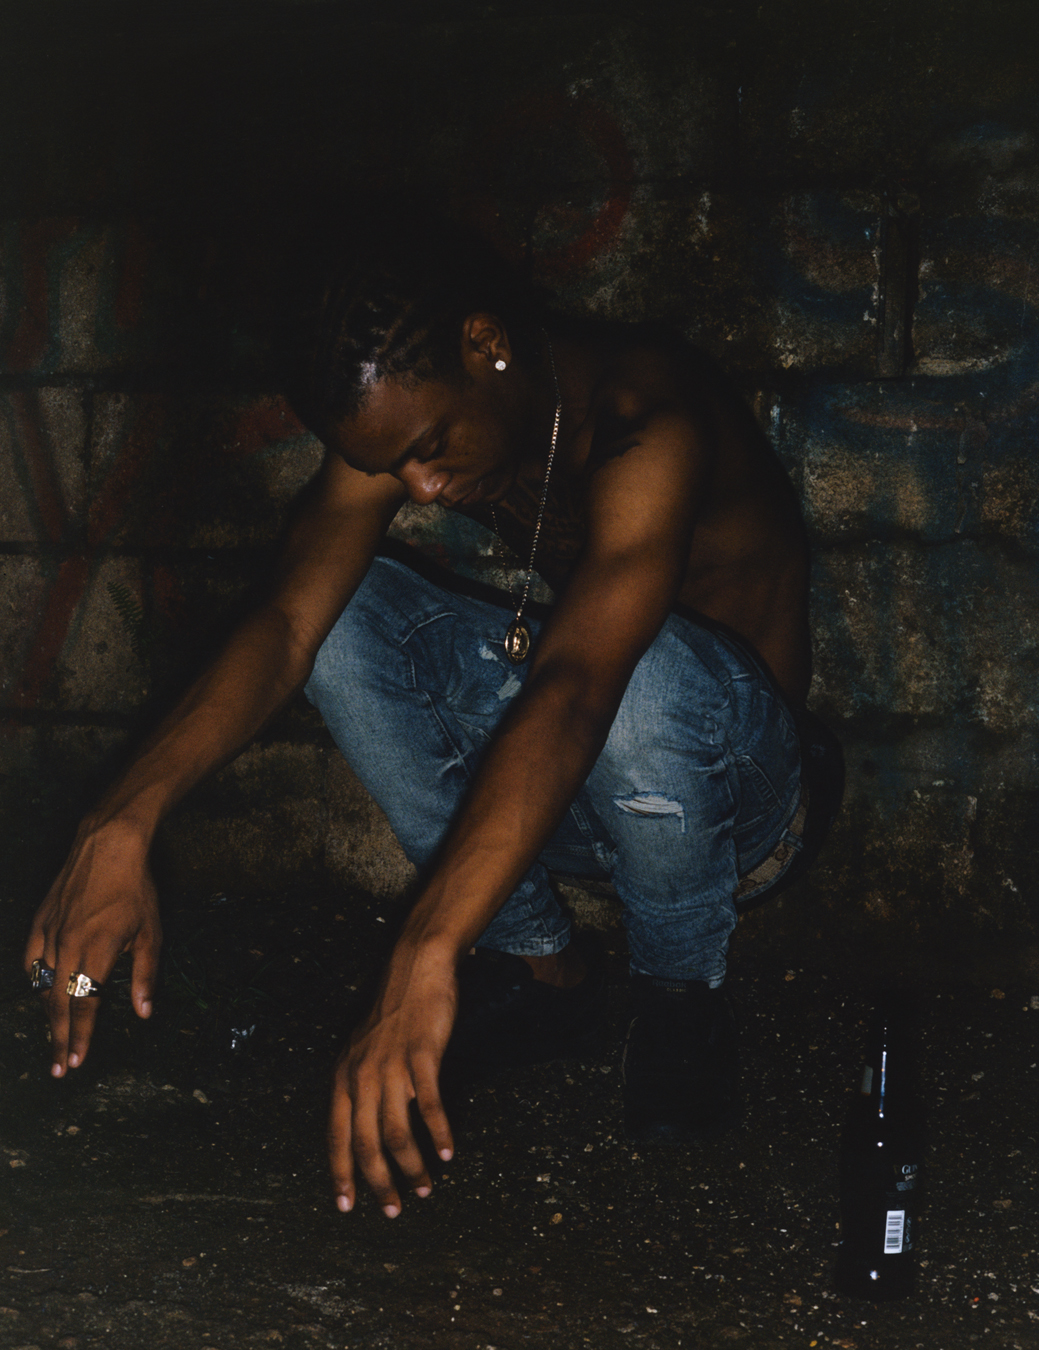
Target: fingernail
<point>146,1009</point>
<point>391,1211</point>
<point>343,1203</point>
<point>55,1070</point>
<point>73,1061</point>
<point>423,1191</point>
<point>446,1154</point>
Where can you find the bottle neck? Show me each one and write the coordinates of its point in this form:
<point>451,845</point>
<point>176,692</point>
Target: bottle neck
<point>888,1075</point>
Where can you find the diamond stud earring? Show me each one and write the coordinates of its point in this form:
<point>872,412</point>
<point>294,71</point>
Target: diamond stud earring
<point>500,364</point>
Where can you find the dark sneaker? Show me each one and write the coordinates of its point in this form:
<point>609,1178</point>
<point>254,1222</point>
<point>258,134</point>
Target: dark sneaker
<point>680,1070</point>
<point>507,1019</point>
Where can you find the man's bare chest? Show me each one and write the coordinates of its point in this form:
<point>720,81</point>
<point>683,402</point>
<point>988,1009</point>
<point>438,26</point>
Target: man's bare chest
<point>561,536</point>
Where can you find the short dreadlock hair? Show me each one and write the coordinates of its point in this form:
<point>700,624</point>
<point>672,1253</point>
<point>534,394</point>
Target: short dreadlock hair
<point>395,307</point>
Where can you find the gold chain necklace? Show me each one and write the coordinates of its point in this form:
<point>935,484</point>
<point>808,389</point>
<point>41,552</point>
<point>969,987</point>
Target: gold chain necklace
<point>517,636</point>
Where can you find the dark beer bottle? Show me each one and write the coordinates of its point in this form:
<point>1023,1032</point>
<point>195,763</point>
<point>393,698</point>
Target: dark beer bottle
<point>881,1154</point>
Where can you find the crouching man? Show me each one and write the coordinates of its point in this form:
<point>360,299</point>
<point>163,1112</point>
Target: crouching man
<point>649,729</point>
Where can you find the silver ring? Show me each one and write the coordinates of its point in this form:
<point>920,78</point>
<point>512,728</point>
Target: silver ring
<point>42,976</point>
<point>82,986</point>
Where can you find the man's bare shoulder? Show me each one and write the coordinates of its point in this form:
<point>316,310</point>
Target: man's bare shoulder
<point>639,373</point>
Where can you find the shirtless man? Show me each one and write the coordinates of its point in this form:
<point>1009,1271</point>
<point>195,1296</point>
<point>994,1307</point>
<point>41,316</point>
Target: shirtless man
<point>650,733</point>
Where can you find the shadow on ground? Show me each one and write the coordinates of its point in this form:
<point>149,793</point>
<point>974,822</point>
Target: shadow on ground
<point>172,1192</point>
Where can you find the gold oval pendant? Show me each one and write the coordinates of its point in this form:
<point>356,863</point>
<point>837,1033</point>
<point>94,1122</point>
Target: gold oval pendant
<point>517,642</point>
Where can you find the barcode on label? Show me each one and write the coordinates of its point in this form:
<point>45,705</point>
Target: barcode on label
<point>896,1223</point>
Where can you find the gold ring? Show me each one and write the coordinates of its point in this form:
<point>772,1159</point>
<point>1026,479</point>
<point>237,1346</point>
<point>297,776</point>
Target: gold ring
<point>81,986</point>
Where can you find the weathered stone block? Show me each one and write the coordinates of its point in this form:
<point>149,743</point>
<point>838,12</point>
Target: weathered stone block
<point>876,112</point>
<point>872,460</point>
<point>194,602</point>
<point>902,630</point>
<point>1007,496</point>
<point>42,471</point>
<point>258,824</point>
<point>55,273</point>
<point>204,472</point>
<point>23,588</point>
<point>102,665</point>
<point>923,457</point>
<point>816,263</point>
<point>49,776</point>
<point>360,849</point>
<point>974,315</point>
<point>76,636</point>
<point>920,849</point>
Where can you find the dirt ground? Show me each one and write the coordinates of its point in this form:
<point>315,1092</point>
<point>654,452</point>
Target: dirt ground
<point>172,1192</point>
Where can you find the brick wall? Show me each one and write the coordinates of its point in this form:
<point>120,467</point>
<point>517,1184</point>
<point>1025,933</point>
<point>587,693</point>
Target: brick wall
<point>841,206</point>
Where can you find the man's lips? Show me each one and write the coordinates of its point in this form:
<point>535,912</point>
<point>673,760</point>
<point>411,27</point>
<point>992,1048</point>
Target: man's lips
<point>470,498</point>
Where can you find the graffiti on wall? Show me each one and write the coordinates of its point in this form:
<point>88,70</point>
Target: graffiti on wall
<point>101,477</point>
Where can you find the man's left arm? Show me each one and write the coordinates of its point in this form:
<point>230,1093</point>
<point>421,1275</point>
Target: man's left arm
<point>642,507</point>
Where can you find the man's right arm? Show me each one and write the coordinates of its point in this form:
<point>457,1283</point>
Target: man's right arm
<point>103,902</point>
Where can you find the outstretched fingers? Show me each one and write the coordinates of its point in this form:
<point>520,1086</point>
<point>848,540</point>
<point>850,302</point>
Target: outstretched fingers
<point>377,1123</point>
<point>72,1018</point>
<point>340,1140</point>
<point>145,971</point>
<point>431,1106</point>
<point>370,1131</point>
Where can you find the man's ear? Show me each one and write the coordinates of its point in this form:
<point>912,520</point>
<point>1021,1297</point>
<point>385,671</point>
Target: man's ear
<point>485,345</point>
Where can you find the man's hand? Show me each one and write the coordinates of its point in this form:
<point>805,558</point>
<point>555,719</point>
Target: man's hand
<point>393,1060</point>
<point>102,903</point>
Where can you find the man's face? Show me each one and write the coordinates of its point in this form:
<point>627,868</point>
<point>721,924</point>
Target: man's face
<point>458,444</point>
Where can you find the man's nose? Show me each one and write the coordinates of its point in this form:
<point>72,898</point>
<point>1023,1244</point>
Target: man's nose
<point>424,482</point>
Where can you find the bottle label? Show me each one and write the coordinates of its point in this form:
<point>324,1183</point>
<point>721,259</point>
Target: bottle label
<point>894,1231</point>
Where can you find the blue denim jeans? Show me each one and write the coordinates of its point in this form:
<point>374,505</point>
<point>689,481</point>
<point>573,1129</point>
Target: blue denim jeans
<point>697,782</point>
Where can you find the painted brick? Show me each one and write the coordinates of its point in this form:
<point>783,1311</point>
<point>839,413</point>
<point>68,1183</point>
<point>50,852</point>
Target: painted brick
<point>196,472</point>
<point>55,271</point>
<point>103,661</point>
<point>77,637</point>
<point>23,589</point>
<point>903,631</point>
<point>937,458</point>
<point>43,481</point>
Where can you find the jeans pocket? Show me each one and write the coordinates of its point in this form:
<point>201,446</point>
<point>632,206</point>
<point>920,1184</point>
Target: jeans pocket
<point>758,796</point>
